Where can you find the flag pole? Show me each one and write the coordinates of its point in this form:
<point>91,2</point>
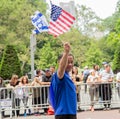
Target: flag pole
<point>32,50</point>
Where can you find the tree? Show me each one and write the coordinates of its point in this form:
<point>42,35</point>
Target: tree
<point>93,55</point>
<point>16,26</point>
<point>79,45</point>
<point>116,60</point>
<point>87,21</point>
<point>10,63</point>
<point>47,57</point>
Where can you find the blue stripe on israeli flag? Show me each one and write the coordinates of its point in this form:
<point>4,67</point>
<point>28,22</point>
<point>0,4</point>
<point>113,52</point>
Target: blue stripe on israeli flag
<point>35,31</point>
<point>39,21</point>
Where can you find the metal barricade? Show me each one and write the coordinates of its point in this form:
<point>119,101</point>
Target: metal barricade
<point>5,101</point>
<point>30,99</point>
<point>100,95</point>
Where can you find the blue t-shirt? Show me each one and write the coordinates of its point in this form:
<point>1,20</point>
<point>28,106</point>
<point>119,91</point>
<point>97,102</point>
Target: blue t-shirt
<point>63,95</point>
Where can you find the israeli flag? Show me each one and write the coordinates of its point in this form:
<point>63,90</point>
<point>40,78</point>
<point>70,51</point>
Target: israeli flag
<point>35,31</point>
<point>40,22</point>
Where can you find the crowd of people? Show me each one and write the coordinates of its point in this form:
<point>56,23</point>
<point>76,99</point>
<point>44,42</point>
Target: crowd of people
<point>20,88</point>
<point>97,81</point>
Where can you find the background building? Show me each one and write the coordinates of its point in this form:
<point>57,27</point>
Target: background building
<point>69,7</point>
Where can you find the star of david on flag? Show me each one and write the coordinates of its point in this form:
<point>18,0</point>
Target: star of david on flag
<point>40,23</point>
<point>60,22</point>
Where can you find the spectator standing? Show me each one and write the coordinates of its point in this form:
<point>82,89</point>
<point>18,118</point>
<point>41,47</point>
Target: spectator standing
<point>118,83</point>
<point>3,94</point>
<point>24,85</point>
<point>14,82</point>
<point>85,76</point>
<point>39,75</point>
<point>63,96</point>
<point>76,79</point>
<point>96,69</point>
<point>46,79</point>
<point>92,81</point>
<point>106,77</point>
<point>36,95</point>
<point>52,70</point>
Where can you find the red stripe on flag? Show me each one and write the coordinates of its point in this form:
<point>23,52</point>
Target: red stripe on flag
<point>52,24</point>
<point>62,24</point>
<point>54,29</point>
<point>65,23</point>
<point>68,20</point>
<point>69,14</point>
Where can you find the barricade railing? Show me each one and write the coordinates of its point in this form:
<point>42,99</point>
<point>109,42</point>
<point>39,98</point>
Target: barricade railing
<point>31,99</point>
<point>99,95</point>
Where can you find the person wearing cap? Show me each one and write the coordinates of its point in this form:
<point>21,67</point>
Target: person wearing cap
<point>102,67</point>
<point>106,77</point>
<point>62,90</point>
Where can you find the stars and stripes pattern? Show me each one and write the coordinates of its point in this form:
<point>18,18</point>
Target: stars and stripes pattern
<point>60,22</point>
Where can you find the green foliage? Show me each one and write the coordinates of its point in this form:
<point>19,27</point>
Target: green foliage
<point>117,27</point>
<point>93,55</point>
<point>47,57</point>
<point>16,26</point>
<point>116,61</point>
<point>118,6</point>
<point>15,29</point>
<point>10,63</point>
<point>79,45</point>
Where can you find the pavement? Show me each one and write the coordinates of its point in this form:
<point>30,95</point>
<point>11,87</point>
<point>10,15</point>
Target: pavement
<point>97,114</point>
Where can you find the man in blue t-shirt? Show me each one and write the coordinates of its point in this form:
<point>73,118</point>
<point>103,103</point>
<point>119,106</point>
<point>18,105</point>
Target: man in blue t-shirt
<point>62,89</point>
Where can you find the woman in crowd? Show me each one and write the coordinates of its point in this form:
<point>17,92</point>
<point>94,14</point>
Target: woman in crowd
<point>92,80</point>
<point>76,78</point>
<point>24,84</point>
<point>15,98</point>
<point>36,95</point>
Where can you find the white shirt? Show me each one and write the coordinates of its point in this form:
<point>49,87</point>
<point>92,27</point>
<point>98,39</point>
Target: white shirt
<point>105,76</point>
<point>118,78</point>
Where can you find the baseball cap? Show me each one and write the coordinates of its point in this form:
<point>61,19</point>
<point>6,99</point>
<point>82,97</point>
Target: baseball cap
<point>46,70</point>
<point>103,63</point>
<point>86,67</point>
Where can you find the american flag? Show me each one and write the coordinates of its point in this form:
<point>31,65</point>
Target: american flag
<point>60,22</point>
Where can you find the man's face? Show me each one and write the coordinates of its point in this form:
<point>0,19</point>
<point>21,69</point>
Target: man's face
<point>52,70</point>
<point>107,68</point>
<point>70,63</point>
<point>47,73</point>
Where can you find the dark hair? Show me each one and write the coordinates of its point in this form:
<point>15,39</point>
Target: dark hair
<point>107,65</point>
<point>12,81</point>
<point>60,56</point>
<point>38,71</point>
<point>73,70</point>
<point>52,67</point>
<point>24,77</point>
